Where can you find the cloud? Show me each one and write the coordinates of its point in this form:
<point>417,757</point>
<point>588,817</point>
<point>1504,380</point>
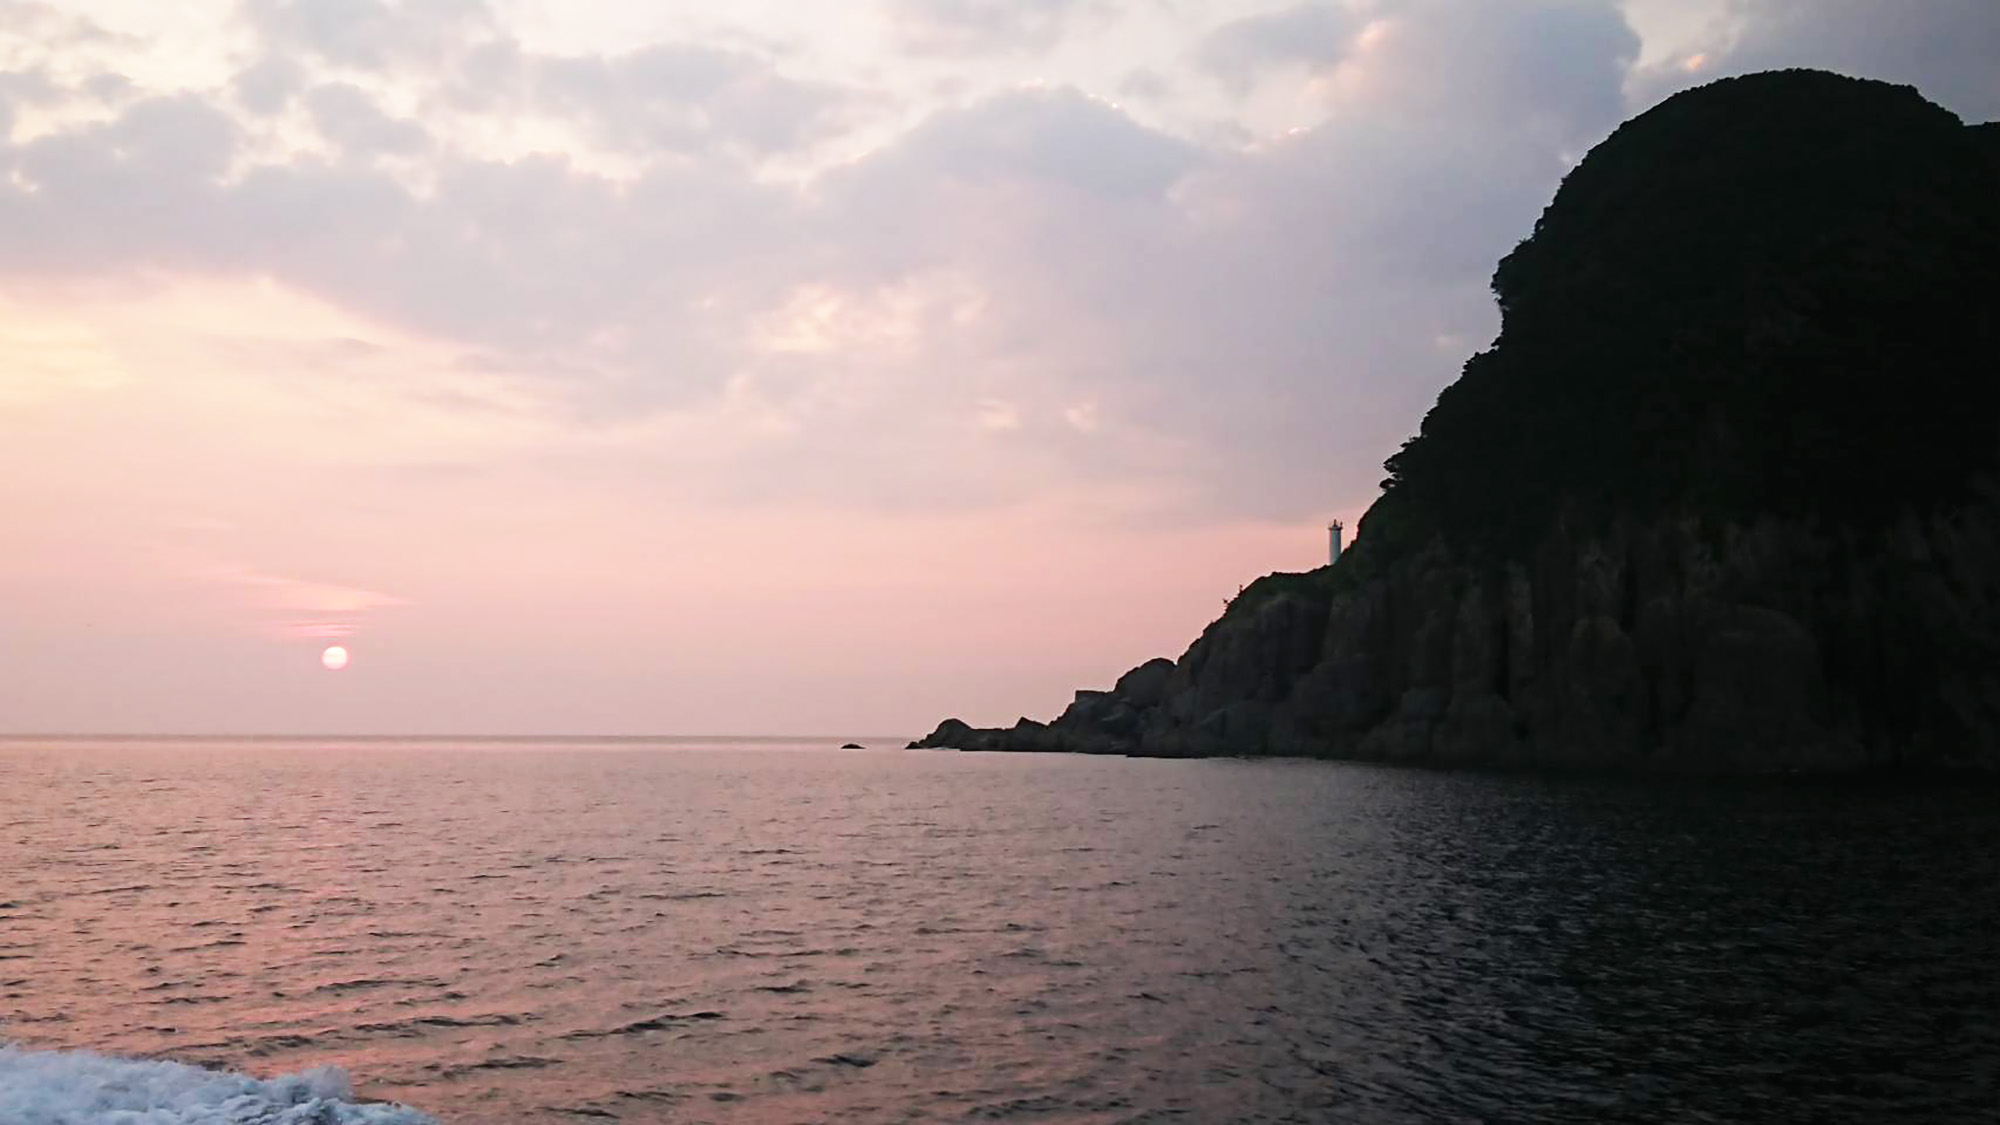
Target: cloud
<point>983,27</point>
<point>1946,48</point>
<point>1062,139</point>
<point>19,89</point>
<point>52,29</point>
<point>676,97</point>
<point>301,595</point>
<point>52,61</point>
<point>531,258</point>
<point>1312,35</point>
<point>369,34</point>
<point>349,118</point>
<point>1031,294</point>
<point>658,99</point>
<point>1559,61</point>
<point>1146,84</point>
<point>1249,327</point>
<point>267,85</point>
<point>1035,292</point>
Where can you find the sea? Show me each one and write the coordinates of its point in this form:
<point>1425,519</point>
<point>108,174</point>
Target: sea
<point>319,932</point>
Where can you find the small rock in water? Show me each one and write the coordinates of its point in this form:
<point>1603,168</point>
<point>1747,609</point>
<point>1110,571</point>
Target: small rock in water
<point>853,746</point>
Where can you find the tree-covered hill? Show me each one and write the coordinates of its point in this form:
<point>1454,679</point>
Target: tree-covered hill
<point>1773,294</point>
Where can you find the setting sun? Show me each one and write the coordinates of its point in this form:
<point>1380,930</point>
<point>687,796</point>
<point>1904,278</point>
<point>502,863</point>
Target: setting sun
<point>334,658</point>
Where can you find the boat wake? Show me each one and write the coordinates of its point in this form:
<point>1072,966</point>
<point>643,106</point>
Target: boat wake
<point>79,1088</point>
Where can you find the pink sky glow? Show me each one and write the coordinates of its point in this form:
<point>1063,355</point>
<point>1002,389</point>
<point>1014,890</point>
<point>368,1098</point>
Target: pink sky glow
<point>599,368</point>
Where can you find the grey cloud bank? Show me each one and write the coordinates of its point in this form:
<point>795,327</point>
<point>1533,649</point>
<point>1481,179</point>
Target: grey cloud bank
<point>1028,289</point>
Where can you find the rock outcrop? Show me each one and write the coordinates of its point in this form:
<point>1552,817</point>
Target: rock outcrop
<point>1664,645</point>
<point>1777,546</point>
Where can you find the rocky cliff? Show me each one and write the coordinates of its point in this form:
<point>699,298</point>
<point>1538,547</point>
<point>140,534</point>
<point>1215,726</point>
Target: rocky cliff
<point>1722,496</point>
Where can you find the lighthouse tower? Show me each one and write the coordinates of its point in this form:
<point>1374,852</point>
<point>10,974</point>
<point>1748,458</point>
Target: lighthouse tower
<point>1333,531</point>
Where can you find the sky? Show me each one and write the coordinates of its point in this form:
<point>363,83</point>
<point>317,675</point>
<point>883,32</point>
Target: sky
<point>592,367</point>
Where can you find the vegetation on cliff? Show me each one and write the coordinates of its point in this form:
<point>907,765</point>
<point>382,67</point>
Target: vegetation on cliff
<point>1771,295</point>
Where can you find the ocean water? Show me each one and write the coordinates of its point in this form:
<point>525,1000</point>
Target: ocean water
<point>773,932</point>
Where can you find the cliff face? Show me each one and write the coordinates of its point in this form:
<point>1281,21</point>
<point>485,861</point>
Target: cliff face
<point>1658,645</point>
<point>1721,497</point>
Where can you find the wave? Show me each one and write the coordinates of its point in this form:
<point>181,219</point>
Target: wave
<point>81,1088</point>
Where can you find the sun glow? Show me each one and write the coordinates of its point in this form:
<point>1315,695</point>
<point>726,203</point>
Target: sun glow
<point>334,658</point>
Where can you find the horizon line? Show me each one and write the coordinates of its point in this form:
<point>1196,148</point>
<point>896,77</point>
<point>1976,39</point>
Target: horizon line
<point>75,736</point>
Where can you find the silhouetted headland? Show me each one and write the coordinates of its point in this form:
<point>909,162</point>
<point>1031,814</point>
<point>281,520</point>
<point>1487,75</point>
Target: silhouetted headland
<point>1722,495</point>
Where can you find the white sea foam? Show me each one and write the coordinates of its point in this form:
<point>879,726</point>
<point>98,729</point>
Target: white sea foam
<point>79,1088</point>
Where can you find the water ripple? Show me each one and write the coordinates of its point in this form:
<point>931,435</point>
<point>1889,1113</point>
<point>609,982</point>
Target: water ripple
<point>571,934</point>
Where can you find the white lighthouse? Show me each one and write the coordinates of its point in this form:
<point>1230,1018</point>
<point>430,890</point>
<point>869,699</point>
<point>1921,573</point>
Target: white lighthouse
<point>1333,531</point>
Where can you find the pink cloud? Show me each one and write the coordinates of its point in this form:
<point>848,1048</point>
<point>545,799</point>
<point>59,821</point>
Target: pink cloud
<point>319,610</point>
